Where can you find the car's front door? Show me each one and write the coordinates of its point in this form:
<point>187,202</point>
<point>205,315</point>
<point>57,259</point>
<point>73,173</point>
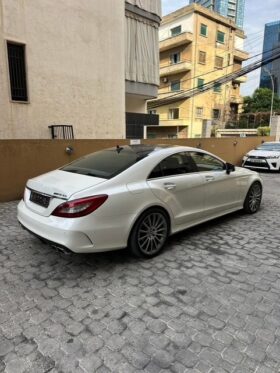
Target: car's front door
<point>175,182</point>
<point>221,188</point>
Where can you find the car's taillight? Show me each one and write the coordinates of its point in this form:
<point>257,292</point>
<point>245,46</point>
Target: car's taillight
<point>79,207</point>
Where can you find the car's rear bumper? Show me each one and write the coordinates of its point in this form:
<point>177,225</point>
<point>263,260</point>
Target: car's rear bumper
<point>53,231</point>
<point>72,234</point>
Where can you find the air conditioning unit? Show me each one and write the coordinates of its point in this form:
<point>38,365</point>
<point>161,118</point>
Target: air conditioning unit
<point>165,80</point>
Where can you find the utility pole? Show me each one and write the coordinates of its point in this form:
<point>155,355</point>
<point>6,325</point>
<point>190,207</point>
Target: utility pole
<point>272,96</point>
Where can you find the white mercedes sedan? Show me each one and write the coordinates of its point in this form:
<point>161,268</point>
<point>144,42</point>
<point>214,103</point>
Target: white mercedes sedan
<point>134,196</point>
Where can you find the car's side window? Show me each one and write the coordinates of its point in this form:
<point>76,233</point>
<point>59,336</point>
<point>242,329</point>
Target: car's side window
<point>176,164</point>
<point>206,162</point>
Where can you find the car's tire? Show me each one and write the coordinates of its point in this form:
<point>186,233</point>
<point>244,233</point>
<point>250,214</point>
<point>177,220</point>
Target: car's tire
<point>149,233</point>
<point>253,198</point>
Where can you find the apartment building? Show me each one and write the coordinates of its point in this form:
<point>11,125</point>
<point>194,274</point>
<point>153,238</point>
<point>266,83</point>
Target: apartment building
<point>77,68</point>
<point>233,9</point>
<point>197,46</point>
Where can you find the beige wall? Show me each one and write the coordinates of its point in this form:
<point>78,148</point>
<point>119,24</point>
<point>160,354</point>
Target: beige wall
<point>75,66</point>
<point>24,159</point>
<point>134,104</point>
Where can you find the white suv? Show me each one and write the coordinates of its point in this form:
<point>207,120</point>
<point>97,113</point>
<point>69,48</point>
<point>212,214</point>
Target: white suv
<point>266,157</point>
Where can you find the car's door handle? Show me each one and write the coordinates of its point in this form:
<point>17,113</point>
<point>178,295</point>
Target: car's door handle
<point>169,186</point>
<point>209,178</point>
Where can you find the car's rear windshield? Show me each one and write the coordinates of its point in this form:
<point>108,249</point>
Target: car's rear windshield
<point>105,163</point>
<point>269,147</point>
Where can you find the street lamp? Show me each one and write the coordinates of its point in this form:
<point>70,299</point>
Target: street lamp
<point>272,96</point>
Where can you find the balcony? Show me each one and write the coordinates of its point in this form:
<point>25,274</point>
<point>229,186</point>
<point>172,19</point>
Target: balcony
<point>172,122</point>
<point>175,41</point>
<point>240,79</point>
<point>236,99</point>
<point>240,55</point>
<point>175,68</point>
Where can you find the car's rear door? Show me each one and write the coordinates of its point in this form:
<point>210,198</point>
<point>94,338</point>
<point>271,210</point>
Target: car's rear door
<point>175,182</point>
<point>221,189</point>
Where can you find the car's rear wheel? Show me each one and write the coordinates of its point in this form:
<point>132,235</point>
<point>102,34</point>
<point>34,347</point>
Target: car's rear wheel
<point>149,233</point>
<point>253,199</point>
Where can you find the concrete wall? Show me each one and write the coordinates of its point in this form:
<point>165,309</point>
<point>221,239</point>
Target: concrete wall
<point>24,159</point>
<point>133,104</point>
<point>275,127</point>
<point>186,22</point>
<point>238,42</point>
<point>75,67</point>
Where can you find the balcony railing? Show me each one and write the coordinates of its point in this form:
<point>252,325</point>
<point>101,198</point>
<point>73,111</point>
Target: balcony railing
<point>175,41</point>
<point>175,68</point>
<point>64,132</point>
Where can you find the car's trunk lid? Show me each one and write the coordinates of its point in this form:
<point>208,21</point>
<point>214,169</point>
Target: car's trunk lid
<point>44,193</point>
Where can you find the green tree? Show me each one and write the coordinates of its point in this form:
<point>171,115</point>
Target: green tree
<point>263,131</point>
<point>261,101</point>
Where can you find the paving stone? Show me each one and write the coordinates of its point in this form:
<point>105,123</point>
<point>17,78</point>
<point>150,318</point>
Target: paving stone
<point>157,326</point>
<point>208,303</point>
<point>90,363</point>
<point>232,355</point>
<point>5,347</point>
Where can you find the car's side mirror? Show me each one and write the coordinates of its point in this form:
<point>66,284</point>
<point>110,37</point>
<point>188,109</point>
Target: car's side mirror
<point>229,168</point>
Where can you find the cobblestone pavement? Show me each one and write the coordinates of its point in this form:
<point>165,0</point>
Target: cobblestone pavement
<point>209,303</point>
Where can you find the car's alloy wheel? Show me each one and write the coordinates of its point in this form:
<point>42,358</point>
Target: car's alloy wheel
<point>253,198</point>
<point>149,233</point>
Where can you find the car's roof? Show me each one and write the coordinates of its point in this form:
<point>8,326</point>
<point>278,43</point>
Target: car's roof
<point>271,142</point>
<point>143,150</point>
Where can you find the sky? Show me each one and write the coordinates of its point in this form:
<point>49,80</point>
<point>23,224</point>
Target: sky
<point>257,13</point>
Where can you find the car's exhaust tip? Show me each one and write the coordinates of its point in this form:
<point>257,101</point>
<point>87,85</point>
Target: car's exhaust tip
<point>62,249</point>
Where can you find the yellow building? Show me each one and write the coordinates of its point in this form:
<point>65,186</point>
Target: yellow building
<point>197,46</point>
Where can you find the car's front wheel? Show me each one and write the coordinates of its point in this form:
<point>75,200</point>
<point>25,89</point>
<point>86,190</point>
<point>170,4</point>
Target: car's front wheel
<point>253,199</point>
<point>149,233</point>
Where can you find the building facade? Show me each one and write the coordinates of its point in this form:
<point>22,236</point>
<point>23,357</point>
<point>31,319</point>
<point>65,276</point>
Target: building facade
<point>197,46</point>
<point>85,71</point>
<point>233,9</point>
<point>271,43</point>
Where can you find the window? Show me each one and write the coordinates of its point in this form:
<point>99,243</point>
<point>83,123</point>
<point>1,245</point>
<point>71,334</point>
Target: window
<point>175,86</point>
<point>153,112</point>
<point>174,113</point>
<point>217,87</point>
<point>199,111</point>
<point>176,164</point>
<point>202,57</point>
<point>220,37</point>
<point>200,83</point>
<point>175,58</point>
<point>106,163</point>
<point>228,59</point>
<point>206,162</point>
<point>17,71</point>
<point>176,30</point>
<point>203,30</point>
<point>216,114</point>
<point>219,62</point>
